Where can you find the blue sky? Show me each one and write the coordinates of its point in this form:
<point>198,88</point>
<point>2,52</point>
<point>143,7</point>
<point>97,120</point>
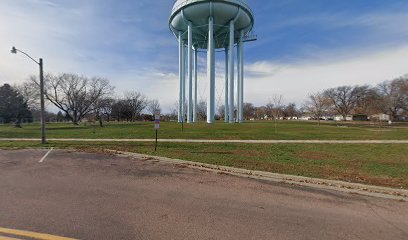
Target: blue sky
<point>303,46</point>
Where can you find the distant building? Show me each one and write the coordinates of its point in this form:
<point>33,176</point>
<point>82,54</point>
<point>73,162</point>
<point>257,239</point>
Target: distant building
<point>380,117</point>
<point>360,117</point>
<point>293,118</point>
<point>340,118</point>
<point>305,118</point>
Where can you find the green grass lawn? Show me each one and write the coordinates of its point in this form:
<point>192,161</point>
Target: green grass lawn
<point>377,164</point>
<point>286,130</point>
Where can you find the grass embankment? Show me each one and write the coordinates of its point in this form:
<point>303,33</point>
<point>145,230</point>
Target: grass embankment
<point>286,130</point>
<point>377,164</point>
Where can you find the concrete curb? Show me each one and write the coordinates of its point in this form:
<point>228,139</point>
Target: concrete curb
<point>347,187</point>
<point>215,141</point>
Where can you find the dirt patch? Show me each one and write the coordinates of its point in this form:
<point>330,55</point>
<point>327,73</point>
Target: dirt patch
<point>314,155</point>
<point>212,152</point>
<point>251,153</point>
<point>263,166</point>
<point>379,130</point>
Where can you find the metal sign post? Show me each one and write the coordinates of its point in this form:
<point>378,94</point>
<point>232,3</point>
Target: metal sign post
<point>156,127</point>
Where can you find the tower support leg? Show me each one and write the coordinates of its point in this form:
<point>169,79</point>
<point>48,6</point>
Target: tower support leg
<point>180,102</point>
<point>241,78</point>
<point>241,69</point>
<point>211,71</point>
<point>183,66</point>
<point>190,73</point>
<point>226,111</point>
<point>231,117</point>
<point>195,113</point>
<point>238,101</point>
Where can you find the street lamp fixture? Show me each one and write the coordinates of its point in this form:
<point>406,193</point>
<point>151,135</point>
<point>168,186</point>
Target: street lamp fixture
<point>14,50</point>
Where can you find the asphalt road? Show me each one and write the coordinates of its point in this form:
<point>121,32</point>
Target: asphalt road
<point>97,196</point>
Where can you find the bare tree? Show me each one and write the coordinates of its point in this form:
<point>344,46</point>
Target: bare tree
<point>275,108</point>
<point>121,109</point>
<point>369,102</point>
<point>202,110</point>
<point>404,92</point>
<point>318,105</point>
<point>30,92</point>
<point>153,106</point>
<point>75,95</point>
<point>174,111</point>
<point>344,99</point>
<point>290,111</point>
<point>394,96</point>
<point>221,111</point>
<point>249,111</point>
<point>103,108</point>
<point>173,114</point>
<point>137,102</point>
<point>269,109</point>
<point>260,113</point>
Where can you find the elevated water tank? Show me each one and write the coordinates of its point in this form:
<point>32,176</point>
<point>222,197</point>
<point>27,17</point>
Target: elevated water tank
<point>210,25</point>
<point>222,11</point>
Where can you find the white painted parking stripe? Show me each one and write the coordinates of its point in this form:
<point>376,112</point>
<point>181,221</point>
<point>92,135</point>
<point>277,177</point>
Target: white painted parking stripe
<point>45,156</point>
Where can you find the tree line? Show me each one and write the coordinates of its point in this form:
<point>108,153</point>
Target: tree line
<point>79,97</point>
<point>388,97</point>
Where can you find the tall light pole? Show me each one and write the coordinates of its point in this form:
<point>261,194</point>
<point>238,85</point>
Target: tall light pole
<point>14,50</point>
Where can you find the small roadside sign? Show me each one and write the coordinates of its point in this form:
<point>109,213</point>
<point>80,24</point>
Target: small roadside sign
<point>156,121</point>
<point>156,126</point>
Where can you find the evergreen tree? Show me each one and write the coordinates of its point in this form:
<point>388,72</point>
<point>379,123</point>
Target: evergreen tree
<point>13,108</point>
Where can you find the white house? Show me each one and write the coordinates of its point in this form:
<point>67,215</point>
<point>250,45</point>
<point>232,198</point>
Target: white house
<point>381,117</point>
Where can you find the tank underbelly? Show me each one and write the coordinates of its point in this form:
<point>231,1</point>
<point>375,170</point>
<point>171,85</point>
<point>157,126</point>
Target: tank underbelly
<point>198,14</point>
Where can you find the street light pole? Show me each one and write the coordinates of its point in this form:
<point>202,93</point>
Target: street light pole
<point>40,63</point>
<point>43,138</point>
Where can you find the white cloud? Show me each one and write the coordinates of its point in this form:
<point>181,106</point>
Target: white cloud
<point>295,81</point>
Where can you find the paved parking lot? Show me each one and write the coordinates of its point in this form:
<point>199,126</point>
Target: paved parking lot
<point>97,196</point>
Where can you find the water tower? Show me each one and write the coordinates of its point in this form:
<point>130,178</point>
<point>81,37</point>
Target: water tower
<point>207,25</point>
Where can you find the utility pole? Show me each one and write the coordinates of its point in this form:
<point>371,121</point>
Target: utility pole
<point>14,50</point>
<point>43,137</point>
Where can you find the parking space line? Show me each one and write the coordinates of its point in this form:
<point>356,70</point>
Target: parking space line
<point>45,156</point>
<point>41,236</point>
